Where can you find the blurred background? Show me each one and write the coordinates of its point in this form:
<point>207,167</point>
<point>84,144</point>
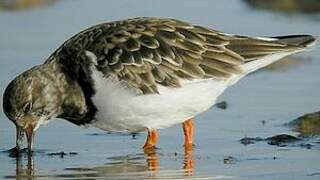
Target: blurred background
<point>232,140</point>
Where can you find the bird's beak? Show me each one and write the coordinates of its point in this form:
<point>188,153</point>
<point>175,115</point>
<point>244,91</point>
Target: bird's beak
<point>19,139</point>
<point>30,136</point>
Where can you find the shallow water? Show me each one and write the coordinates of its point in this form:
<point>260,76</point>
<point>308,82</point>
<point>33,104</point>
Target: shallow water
<point>258,105</point>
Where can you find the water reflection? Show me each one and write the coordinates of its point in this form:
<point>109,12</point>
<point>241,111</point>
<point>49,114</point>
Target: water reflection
<point>152,160</point>
<point>23,171</point>
<point>286,6</point>
<point>188,162</point>
<point>15,5</point>
<point>133,166</point>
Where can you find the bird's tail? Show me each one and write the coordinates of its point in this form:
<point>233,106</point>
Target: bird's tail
<point>292,44</point>
<point>297,40</point>
<point>260,51</point>
<point>254,48</point>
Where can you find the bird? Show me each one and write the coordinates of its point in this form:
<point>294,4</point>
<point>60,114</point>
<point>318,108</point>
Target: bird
<point>140,74</point>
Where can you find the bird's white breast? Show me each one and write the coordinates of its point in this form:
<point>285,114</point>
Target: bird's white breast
<point>120,109</point>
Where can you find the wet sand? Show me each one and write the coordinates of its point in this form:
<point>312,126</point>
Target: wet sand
<point>258,106</point>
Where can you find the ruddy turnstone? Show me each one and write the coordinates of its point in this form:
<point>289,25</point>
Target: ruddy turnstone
<point>140,74</point>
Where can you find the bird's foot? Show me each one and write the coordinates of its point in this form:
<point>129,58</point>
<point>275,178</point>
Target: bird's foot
<point>149,149</point>
<point>17,152</point>
<point>189,146</point>
<point>14,152</point>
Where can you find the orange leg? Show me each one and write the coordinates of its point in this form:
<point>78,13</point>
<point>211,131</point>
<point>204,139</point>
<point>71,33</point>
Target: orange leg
<point>151,139</point>
<point>188,133</point>
<point>188,130</point>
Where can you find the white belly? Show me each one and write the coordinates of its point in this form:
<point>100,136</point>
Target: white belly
<point>121,110</point>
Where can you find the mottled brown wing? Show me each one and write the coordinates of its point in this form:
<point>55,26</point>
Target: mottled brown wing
<point>146,52</point>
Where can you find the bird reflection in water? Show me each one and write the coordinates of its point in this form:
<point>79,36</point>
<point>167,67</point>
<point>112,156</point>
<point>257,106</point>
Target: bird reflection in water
<point>188,161</point>
<point>153,161</point>
<point>24,171</point>
<point>121,166</point>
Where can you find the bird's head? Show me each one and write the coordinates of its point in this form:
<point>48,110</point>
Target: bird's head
<point>29,100</point>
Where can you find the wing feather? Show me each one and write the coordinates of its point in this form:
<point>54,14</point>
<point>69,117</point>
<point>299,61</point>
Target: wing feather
<point>146,52</point>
